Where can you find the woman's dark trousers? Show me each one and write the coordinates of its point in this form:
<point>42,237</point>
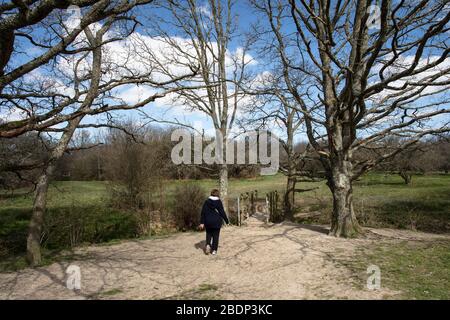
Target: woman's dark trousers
<point>212,238</point>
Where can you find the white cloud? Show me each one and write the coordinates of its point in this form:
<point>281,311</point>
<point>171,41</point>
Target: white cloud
<point>403,63</point>
<point>12,114</point>
<point>135,94</point>
<point>137,55</point>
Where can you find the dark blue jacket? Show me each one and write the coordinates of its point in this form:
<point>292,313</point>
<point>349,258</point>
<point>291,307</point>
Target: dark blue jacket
<point>213,213</point>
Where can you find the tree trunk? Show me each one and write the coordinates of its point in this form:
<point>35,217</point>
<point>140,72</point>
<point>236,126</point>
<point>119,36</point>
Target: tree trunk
<point>343,220</point>
<point>407,177</point>
<point>289,198</point>
<point>291,179</point>
<point>34,256</point>
<point>6,49</point>
<point>223,182</point>
<point>37,219</point>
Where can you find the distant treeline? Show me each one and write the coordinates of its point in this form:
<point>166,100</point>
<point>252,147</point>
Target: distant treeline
<point>110,155</point>
<point>137,152</point>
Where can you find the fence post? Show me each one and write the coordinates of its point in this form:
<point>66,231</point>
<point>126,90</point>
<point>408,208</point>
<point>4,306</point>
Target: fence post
<point>252,203</point>
<point>270,204</point>
<point>247,205</point>
<point>239,210</point>
<point>276,206</point>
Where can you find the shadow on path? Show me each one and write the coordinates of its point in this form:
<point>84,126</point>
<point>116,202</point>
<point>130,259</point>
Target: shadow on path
<point>200,245</point>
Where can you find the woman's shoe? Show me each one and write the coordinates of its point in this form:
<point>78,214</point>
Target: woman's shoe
<point>214,252</point>
<point>207,249</point>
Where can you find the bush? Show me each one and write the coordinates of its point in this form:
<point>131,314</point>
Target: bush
<point>188,200</point>
<point>69,227</point>
<point>66,227</point>
<point>232,211</point>
<point>13,235</point>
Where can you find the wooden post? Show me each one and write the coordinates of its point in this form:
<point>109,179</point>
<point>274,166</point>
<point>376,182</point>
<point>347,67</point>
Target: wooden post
<point>239,211</point>
<point>247,201</point>
<point>276,207</point>
<point>252,203</point>
<point>270,205</point>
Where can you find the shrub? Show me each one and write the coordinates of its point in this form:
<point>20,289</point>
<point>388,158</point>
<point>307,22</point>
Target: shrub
<point>232,211</point>
<point>69,227</point>
<point>187,204</point>
<point>13,235</point>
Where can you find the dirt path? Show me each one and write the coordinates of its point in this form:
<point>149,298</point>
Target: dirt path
<point>284,261</point>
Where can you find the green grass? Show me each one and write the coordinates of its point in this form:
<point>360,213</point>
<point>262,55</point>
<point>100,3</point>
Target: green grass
<point>263,184</point>
<point>69,204</point>
<point>111,292</point>
<point>419,270</point>
<point>385,201</point>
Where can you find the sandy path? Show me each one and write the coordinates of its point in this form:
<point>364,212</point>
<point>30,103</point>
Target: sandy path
<point>259,261</point>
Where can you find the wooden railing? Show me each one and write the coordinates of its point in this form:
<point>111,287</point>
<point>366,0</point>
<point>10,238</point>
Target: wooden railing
<point>246,205</point>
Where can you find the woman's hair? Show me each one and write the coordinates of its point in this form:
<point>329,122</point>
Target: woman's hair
<point>215,193</point>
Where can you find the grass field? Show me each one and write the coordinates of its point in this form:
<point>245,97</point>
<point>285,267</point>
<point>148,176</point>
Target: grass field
<point>416,269</point>
<point>379,200</point>
<point>384,201</point>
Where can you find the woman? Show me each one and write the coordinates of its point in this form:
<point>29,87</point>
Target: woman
<point>211,220</point>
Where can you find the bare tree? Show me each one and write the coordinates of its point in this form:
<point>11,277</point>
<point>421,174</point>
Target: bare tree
<point>421,157</point>
<point>273,108</point>
<point>20,159</point>
<point>200,37</point>
<point>21,14</point>
<point>86,82</point>
<point>39,205</point>
<point>370,83</point>
<point>40,27</point>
